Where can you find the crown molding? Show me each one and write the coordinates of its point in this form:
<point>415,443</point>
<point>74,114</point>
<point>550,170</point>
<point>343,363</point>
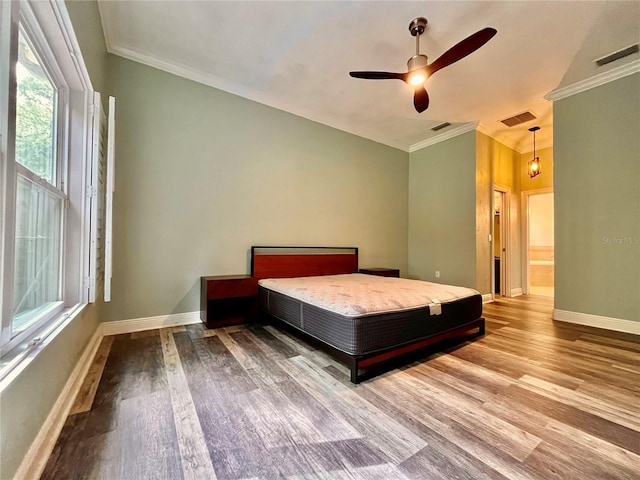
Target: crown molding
<point>508,142</point>
<point>464,128</point>
<point>182,71</point>
<point>594,81</point>
<point>539,146</point>
<point>221,84</point>
<point>503,139</point>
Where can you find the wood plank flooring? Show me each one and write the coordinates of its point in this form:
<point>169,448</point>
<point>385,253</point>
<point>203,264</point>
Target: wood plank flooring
<point>532,399</point>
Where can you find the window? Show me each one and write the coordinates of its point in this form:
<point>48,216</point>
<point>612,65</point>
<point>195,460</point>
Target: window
<point>39,200</point>
<point>35,114</point>
<point>44,132</point>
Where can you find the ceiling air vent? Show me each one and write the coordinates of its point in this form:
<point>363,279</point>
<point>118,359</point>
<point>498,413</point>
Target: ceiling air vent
<point>625,52</point>
<point>441,126</point>
<point>518,119</point>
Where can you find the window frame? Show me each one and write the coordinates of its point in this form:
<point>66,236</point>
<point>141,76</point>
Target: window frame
<point>49,33</point>
<point>34,37</point>
<point>37,41</point>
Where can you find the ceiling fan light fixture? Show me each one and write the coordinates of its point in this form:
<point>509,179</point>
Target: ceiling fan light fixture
<point>417,62</point>
<point>417,78</point>
<point>419,69</point>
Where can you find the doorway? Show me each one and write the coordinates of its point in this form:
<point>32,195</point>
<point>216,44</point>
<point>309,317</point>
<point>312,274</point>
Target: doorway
<point>539,243</point>
<point>500,242</point>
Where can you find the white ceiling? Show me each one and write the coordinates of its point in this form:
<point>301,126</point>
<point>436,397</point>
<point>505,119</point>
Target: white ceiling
<point>296,56</point>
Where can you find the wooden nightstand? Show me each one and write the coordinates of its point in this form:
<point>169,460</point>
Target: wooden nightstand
<point>228,300</point>
<point>381,272</point>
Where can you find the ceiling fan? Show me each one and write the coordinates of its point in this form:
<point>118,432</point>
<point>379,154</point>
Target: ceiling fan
<point>419,70</point>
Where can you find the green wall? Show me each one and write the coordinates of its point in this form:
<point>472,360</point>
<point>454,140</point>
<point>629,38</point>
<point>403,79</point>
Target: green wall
<point>442,211</point>
<point>201,175</point>
<point>597,200</point>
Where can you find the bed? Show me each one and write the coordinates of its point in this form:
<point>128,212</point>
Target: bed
<point>366,320</point>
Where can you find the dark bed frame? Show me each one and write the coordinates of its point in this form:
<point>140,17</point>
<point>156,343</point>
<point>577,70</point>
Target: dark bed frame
<point>289,262</point>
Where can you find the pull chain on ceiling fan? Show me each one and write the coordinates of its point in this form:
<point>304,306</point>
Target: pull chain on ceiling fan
<point>419,69</point>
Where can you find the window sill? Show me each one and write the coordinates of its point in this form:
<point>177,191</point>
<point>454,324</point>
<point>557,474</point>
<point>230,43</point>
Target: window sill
<point>20,357</point>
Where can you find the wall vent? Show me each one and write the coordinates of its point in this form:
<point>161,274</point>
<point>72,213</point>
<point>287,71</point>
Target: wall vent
<point>625,52</point>
<point>441,126</point>
<point>518,119</point>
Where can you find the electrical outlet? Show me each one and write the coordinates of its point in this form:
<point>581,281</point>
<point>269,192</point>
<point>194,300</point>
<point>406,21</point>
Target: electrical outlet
<point>437,273</point>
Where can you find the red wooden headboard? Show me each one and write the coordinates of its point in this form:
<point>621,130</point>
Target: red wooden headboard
<point>282,262</point>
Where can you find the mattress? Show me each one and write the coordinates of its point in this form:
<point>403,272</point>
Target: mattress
<point>364,314</point>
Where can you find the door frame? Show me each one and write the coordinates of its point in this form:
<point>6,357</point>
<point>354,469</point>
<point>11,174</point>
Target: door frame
<point>525,233</point>
<point>505,258</point>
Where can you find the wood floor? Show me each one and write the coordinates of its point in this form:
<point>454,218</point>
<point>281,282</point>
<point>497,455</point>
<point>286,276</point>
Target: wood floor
<point>532,399</point>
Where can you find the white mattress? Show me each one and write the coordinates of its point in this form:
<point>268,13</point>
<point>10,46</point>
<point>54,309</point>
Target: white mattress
<point>356,295</point>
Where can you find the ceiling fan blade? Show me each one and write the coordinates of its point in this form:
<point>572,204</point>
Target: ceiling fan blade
<point>379,75</point>
<point>421,99</point>
<point>462,49</point>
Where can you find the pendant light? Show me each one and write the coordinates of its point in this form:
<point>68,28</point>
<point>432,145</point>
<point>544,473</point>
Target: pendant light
<point>534,163</point>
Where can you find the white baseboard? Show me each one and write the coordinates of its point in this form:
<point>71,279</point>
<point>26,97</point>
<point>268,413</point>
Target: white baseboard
<point>516,292</point>
<point>36,458</point>
<point>608,323</point>
<point>487,297</point>
<point>149,323</point>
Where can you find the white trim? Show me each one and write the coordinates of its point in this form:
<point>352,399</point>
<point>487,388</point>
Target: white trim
<point>8,56</point>
<point>594,81</point>
<point>505,239</point>
<point>149,323</point>
<point>216,82</point>
<point>53,19</point>
<point>51,35</point>
<point>524,230</point>
<point>18,360</point>
<point>92,193</point>
<point>516,292</point>
<point>487,298</point>
<point>38,454</point>
<point>66,26</point>
<point>539,146</point>
<point>108,228</point>
<point>503,139</point>
<point>509,142</point>
<point>454,132</point>
<point>608,323</point>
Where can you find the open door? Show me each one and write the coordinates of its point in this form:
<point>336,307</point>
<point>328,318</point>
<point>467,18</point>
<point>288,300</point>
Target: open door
<point>539,246</point>
<point>500,242</point>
